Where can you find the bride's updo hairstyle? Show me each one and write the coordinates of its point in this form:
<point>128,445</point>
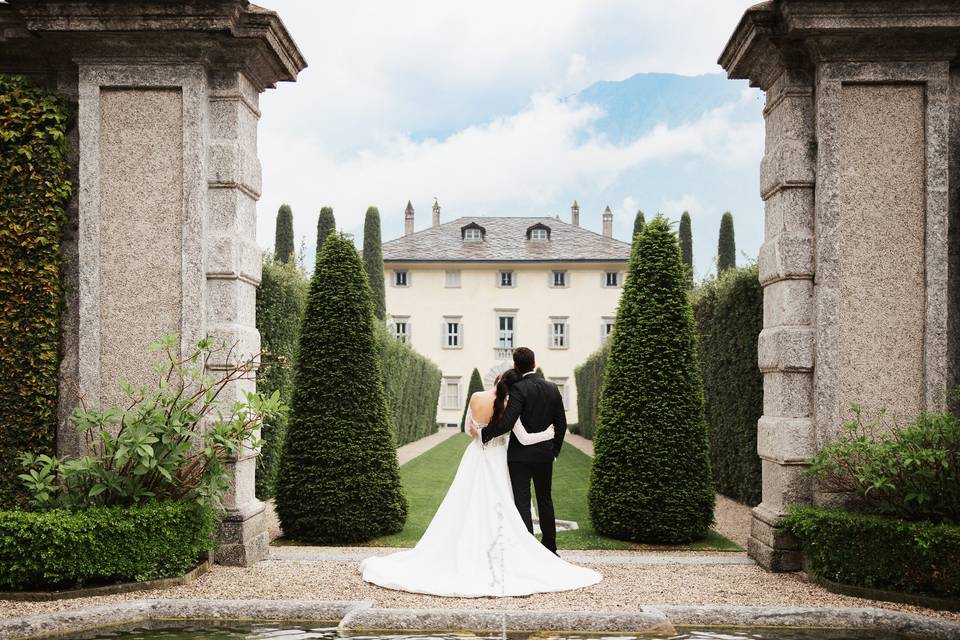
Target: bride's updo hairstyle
<point>506,380</point>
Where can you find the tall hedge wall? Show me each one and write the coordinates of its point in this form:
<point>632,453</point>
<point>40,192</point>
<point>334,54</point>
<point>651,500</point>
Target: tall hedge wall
<point>729,317</point>
<point>33,193</point>
<point>589,377</point>
<point>281,301</point>
<point>412,385</point>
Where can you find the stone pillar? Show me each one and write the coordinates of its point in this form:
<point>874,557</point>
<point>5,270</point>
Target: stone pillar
<point>856,265</point>
<point>164,219</point>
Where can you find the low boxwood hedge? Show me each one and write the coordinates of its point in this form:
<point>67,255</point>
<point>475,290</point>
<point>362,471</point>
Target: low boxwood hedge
<point>68,549</point>
<point>879,552</point>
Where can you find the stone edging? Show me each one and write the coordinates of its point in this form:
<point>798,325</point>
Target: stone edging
<point>359,615</point>
<point>110,589</point>
<point>930,602</point>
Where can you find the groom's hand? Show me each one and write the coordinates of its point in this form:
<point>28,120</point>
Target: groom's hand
<point>473,433</point>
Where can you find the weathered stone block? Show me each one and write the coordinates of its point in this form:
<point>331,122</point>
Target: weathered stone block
<point>231,301</point>
<point>787,394</point>
<point>787,162</point>
<point>789,210</point>
<point>787,255</point>
<point>784,485</point>
<point>786,348</point>
<point>788,302</point>
<point>786,440</point>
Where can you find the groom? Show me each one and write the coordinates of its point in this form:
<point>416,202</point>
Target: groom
<point>539,404</point>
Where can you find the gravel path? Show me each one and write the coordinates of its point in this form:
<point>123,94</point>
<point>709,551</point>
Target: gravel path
<point>626,586</point>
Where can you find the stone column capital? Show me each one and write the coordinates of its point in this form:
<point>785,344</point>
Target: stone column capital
<point>231,34</point>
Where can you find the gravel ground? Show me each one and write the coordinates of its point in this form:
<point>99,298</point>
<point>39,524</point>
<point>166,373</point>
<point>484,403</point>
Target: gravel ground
<point>732,520</point>
<point>624,587</point>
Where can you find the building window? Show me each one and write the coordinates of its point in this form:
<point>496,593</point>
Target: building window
<point>538,234</point>
<point>472,234</point>
<point>559,279</point>
<point>559,333</point>
<point>401,329</point>
<point>453,278</point>
<point>611,279</point>
<point>451,394</point>
<point>606,328</point>
<point>564,390</point>
<point>452,333</point>
<point>506,279</point>
<point>400,279</point>
<point>505,333</point>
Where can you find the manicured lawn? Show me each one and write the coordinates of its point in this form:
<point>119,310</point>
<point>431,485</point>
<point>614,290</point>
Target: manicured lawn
<point>426,478</point>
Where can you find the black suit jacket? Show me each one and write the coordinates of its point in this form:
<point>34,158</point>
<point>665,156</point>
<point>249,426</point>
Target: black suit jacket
<point>538,404</point>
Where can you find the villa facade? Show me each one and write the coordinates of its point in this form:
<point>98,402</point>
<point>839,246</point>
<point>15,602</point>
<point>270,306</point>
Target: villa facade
<point>466,292</point>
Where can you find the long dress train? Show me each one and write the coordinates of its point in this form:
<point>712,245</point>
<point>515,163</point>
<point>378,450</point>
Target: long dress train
<point>476,544</point>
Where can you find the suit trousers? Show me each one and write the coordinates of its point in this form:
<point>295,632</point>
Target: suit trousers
<point>521,473</point>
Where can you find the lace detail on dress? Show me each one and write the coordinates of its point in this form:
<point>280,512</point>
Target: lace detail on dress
<point>499,441</point>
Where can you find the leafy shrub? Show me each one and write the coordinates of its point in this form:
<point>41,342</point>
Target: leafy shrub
<point>729,316</point>
<point>64,549</point>
<point>411,386</point>
<point>475,386</point>
<point>339,478</point>
<point>33,193</point>
<point>650,480</point>
<point>911,473</point>
<point>172,442</point>
<point>879,552</point>
<point>589,377</point>
<point>281,301</point>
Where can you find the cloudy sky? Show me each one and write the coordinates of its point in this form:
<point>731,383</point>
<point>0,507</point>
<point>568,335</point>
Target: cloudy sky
<point>475,103</point>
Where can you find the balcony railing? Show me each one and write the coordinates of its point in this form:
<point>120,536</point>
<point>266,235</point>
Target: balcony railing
<point>501,353</point>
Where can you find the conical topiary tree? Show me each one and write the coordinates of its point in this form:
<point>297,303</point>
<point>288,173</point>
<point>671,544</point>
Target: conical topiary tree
<point>339,480</point>
<point>539,373</point>
<point>686,246</point>
<point>726,245</point>
<point>476,384</point>
<point>325,224</point>
<point>650,480</point>
<point>283,238</point>
<point>373,261</point>
<point>638,223</point>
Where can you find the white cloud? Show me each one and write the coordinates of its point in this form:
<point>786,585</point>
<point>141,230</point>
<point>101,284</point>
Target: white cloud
<point>516,164</point>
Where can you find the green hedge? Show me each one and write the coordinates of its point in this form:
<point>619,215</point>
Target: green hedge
<point>879,552</point>
<point>729,317</point>
<point>412,386</point>
<point>33,193</point>
<point>589,377</point>
<point>281,300</point>
<point>64,549</point>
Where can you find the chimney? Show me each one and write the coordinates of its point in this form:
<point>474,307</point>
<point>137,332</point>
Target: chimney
<point>575,214</point>
<point>436,213</point>
<point>408,219</point>
<point>607,223</point>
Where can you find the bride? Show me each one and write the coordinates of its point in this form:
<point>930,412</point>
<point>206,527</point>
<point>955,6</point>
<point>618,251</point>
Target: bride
<point>477,544</point>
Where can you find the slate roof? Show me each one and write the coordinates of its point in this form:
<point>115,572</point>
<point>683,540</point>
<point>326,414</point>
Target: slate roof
<point>505,240</point>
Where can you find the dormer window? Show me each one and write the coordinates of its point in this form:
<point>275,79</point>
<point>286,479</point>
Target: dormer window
<point>538,232</point>
<point>472,232</point>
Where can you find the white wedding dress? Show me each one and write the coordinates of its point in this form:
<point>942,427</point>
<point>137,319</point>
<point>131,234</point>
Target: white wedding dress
<point>476,544</point>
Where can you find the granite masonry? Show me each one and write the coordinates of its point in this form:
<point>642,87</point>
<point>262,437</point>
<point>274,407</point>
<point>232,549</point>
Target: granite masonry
<point>161,236</point>
<point>859,262</point>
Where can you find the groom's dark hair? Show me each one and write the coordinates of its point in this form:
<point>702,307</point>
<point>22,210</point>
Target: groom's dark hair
<point>524,360</point>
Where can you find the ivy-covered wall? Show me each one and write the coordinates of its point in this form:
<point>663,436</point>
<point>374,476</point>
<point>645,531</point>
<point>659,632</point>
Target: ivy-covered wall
<point>729,316</point>
<point>34,191</point>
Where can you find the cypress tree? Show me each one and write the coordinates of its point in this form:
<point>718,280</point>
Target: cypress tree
<point>539,373</point>
<point>283,238</point>
<point>325,224</point>
<point>638,223</point>
<point>726,245</point>
<point>476,384</point>
<point>650,480</point>
<point>339,478</point>
<point>373,261</point>
<point>686,246</point>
